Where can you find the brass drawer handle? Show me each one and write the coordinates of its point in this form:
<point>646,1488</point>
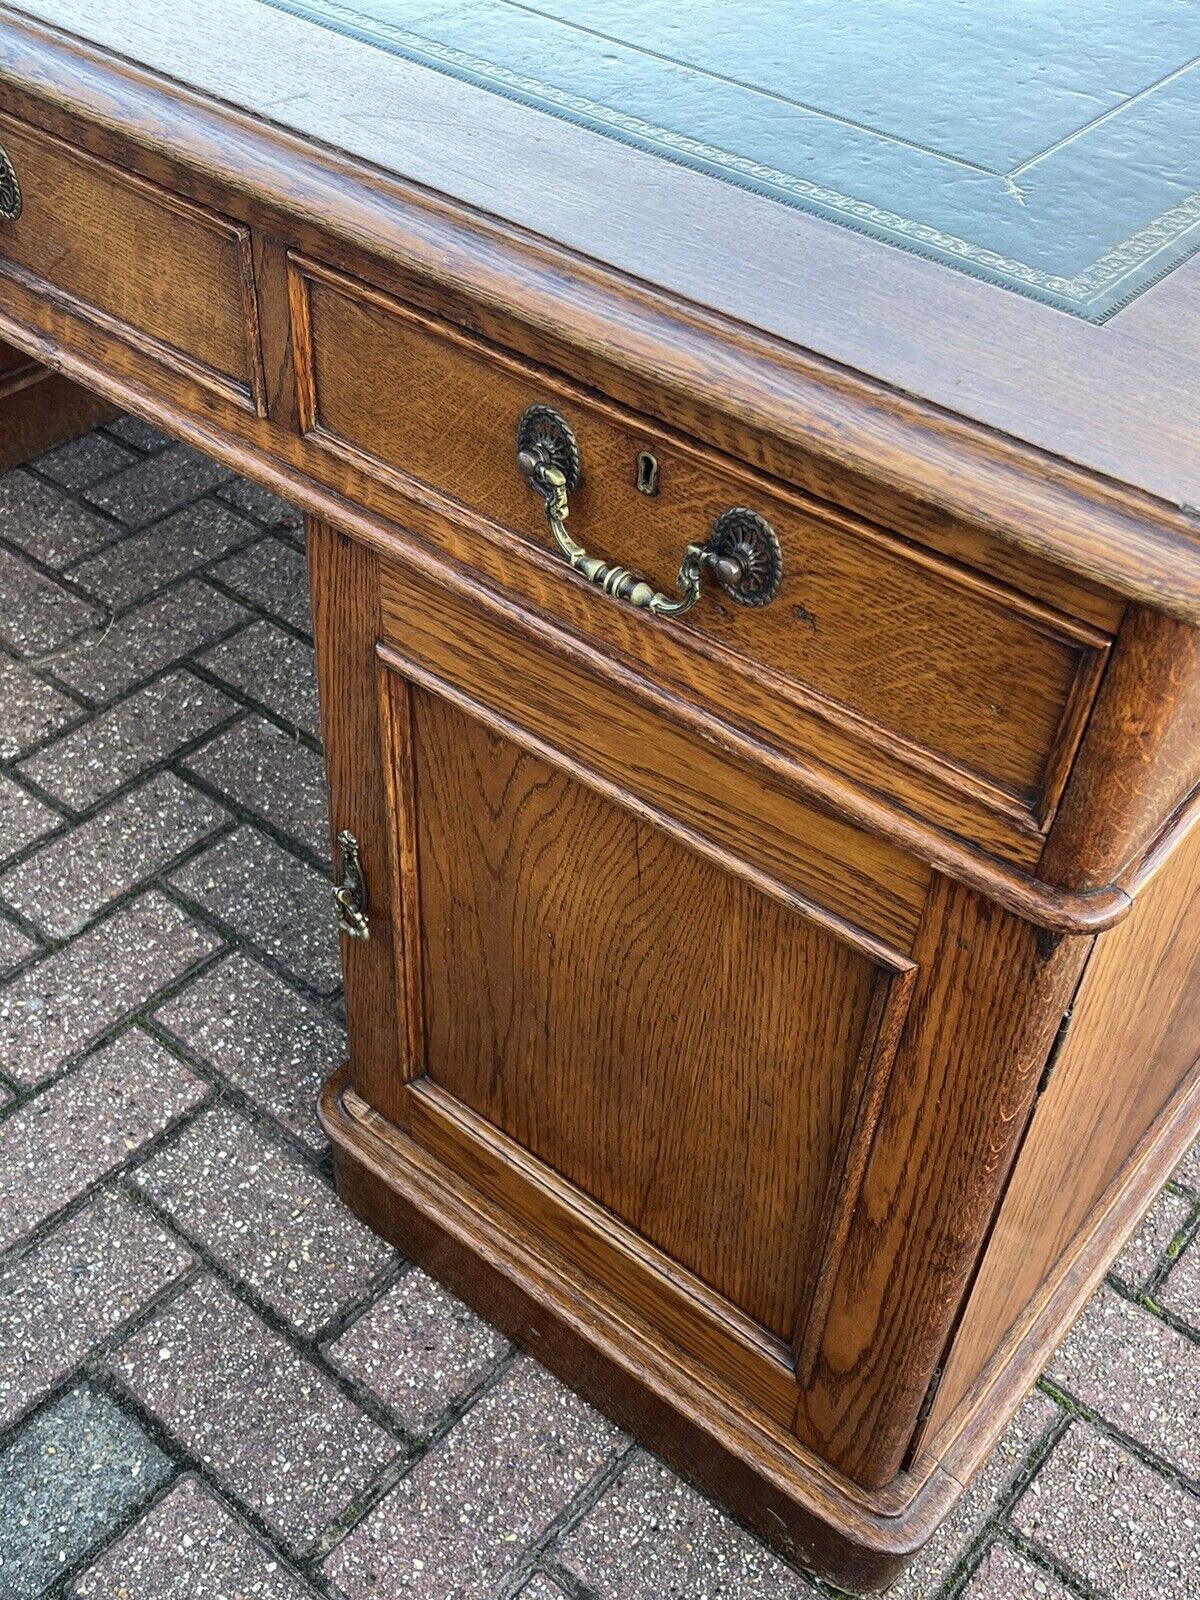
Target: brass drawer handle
<point>10,189</point>
<point>742,552</point>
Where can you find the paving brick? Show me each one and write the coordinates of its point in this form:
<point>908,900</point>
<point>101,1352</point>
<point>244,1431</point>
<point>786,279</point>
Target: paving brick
<point>266,1216</point>
<point>271,775</point>
<point>1005,1575</point>
<point>541,1588</point>
<point>116,744</point>
<point>272,574</point>
<point>149,489</point>
<point>1188,1170</point>
<point>14,945</point>
<point>275,669</point>
<point>1111,1520</point>
<point>55,1008</point>
<point>74,1288</point>
<point>68,1137</point>
<point>652,1536</point>
<point>945,1550</point>
<point>81,462</point>
<point>30,710</point>
<point>62,886</point>
<point>143,435</point>
<point>22,818</point>
<point>189,1546</point>
<point>38,615</point>
<point>46,523</point>
<point>273,1429</point>
<point>166,550</point>
<point>261,503</point>
<point>466,1513</point>
<point>1137,1373</point>
<point>418,1349</point>
<point>143,641</point>
<point>68,1477</point>
<point>269,896</point>
<point>1145,1250</point>
<point>1180,1290</point>
<point>267,1040</point>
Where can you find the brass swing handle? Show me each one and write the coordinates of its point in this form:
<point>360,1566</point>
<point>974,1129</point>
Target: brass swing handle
<point>742,553</point>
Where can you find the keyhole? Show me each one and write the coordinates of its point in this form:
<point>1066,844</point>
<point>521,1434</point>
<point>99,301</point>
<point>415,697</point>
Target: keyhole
<point>647,473</point>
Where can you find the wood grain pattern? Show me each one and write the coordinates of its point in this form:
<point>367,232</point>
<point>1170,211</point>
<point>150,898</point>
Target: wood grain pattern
<point>694,674</point>
<point>657,1288</point>
<point>1017,1360</point>
<point>1141,760</point>
<point>345,604</point>
<point>77,346</point>
<point>152,268</point>
<point>1134,1039</point>
<point>636,1013</point>
<point>395,696</point>
<point>277,357</point>
<point>987,1003</point>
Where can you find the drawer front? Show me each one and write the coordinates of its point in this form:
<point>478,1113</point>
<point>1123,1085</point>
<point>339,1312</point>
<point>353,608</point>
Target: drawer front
<point>684,988</point>
<point>158,271</point>
<point>885,647</point>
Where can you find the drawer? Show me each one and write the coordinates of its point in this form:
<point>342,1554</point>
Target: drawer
<point>877,656</point>
<point>160,273</point>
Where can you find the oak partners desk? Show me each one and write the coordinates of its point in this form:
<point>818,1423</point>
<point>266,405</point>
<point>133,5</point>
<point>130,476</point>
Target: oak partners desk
<point>772,994</point>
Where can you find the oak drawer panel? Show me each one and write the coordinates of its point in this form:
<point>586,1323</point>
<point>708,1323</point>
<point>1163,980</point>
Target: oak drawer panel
<point>931,664</point>
<point>158,271</point>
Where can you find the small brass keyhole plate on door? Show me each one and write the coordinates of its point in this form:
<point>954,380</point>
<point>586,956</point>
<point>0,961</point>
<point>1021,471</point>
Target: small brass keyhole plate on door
<point>350,892</point>
<point>646,473</point>
<point>10,189</point>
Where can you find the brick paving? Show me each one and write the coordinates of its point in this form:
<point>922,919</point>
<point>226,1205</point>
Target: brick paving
<point>213,1380</point>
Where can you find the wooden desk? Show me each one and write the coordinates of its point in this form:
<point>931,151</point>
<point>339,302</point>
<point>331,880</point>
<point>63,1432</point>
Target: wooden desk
<point>774,1014</point>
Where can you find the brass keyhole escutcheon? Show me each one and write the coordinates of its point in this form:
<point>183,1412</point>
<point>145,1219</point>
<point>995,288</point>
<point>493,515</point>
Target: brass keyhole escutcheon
<point>646,472</point>
<point>10,189</point>
<point>350,891</point>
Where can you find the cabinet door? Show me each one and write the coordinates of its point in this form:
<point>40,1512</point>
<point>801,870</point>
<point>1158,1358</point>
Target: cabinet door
<point>628,1019</point>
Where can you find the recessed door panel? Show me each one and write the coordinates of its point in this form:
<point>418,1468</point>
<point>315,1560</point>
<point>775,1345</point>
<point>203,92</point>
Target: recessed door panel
<point>652,1027</point>
<point>612,1026</point>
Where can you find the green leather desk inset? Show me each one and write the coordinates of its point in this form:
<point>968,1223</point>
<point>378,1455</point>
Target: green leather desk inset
<point>1045,148</point>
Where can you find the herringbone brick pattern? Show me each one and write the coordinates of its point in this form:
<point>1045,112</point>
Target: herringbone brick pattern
<point>213,1380</point>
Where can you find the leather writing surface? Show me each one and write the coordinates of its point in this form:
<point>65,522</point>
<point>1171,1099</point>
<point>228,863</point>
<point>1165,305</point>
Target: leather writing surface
<point>1052,148</point>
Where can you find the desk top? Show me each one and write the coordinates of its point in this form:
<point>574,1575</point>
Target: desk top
<point>1061,421</point>
<point>1052,149</point>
